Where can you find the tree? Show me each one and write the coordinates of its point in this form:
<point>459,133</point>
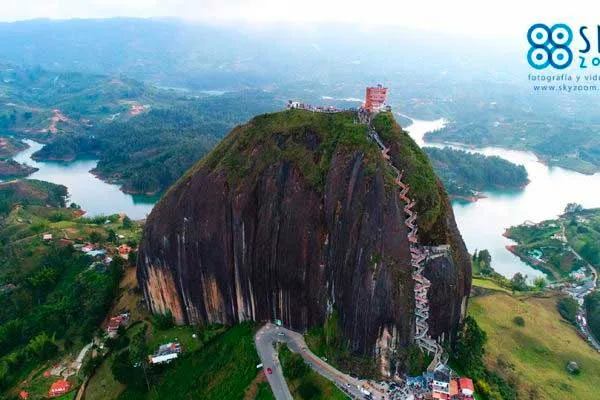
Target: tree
<point>469,348</point>
<point>95,237</point>
<point>121,368</point>
<point>568,308</point>
<point>90,364</point>
<point>519,282</point>
<point>127,222</point>
<point>540,283</point>
<point>573,208</point>
<point>139,355</point>
<point>41,347</point>
<point>484,259</point>
<point>112,236</point>
<point>592,307</point>
<point>164,321</point>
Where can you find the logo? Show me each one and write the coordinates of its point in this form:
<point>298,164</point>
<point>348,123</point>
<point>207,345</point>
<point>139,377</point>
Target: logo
<point>550,46</point>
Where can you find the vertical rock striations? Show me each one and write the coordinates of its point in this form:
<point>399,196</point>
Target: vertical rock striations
<point>293,216</point>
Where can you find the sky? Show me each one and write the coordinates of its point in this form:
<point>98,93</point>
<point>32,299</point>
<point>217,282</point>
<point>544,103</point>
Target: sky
<point>465,17</point>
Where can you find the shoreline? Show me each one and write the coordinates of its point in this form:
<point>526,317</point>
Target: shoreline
<point>470,199</point>
<point>121,184</point>
<point>540,158</point>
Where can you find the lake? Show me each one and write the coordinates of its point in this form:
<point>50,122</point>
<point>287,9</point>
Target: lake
<point>483,222</point>
<point>92,194</point>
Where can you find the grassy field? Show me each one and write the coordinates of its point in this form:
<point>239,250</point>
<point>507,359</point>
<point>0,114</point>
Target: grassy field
<point>102,385</point>
<point>489,284</point>
<point>304,383</point>
<point>264,392</point>
<point>223,369</point>
<point>535,355</point>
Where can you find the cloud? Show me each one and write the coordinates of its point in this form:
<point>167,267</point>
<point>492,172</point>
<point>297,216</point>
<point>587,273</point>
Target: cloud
<point>475,18</point>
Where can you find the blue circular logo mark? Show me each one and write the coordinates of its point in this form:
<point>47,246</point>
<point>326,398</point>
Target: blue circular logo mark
<point>549,46</point>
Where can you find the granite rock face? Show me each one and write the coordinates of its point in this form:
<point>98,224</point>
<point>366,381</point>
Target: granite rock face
<point>292,217</point>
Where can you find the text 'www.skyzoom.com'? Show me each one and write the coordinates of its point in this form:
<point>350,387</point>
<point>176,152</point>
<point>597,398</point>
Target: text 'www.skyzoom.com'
<point>565,88</point>
<point>565,83</point>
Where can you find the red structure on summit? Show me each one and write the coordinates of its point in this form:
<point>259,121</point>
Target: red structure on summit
<point>375,98</point>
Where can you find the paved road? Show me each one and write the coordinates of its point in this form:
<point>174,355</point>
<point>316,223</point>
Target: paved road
<point>265,340</point>
<point>270,334</point>
<point>78,362</point>
<point>582,313</point>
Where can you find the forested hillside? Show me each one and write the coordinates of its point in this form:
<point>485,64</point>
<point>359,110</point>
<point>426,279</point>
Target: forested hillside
<point>40,104</point>
<point>465,173</point>
<point>148,153</point>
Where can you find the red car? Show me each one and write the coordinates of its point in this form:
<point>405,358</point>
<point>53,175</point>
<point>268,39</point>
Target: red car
<point>269,371</point>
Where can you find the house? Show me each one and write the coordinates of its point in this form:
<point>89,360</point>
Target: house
<point>466,387</point>
<point>59,388</point>
<point>64,242</point>
<point>47,237</point>
<point>537,254</point>
<point>100,254</point>
<point>23,395</point>
<point>124,251</point>
<point>293,104</point>
<point>453,388</point>
<point>166,353</point>
<point>441,382</point>
<point>87,248</point>
<point>115,322</point>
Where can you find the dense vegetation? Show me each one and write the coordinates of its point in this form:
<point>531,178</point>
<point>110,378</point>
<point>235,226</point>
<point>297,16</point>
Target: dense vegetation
<point>148,153</point>
<point>482,110</point>
<point>11,169</point>
<point>559,139</point>
<point>465,173</point>
<point>420,176</point>
<point>468,357</point>
<point>592,308</point>
<point>583,232</point>
<point>145,137</point>
<point>76,101</point>
<point>49,298</point>
<point>10,146</point>
<point>30,192</point>
<point>543,246</point>
<point>327,341</point>
<point>218,366</point>
<point>304,383</point>
<point>568,308</point>
<point>308,139</point>
<point>51,302</point>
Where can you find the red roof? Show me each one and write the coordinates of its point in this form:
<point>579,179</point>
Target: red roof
<point>466,383</point>
<point>59,387</point>
<point>23,395</point>
<point>453,387</point>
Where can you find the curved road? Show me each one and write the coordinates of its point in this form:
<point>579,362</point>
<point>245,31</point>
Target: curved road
<point>267,338</point>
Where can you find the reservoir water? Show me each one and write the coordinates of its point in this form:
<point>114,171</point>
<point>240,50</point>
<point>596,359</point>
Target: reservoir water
<point>92,194</point>
<point>483,222</point>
